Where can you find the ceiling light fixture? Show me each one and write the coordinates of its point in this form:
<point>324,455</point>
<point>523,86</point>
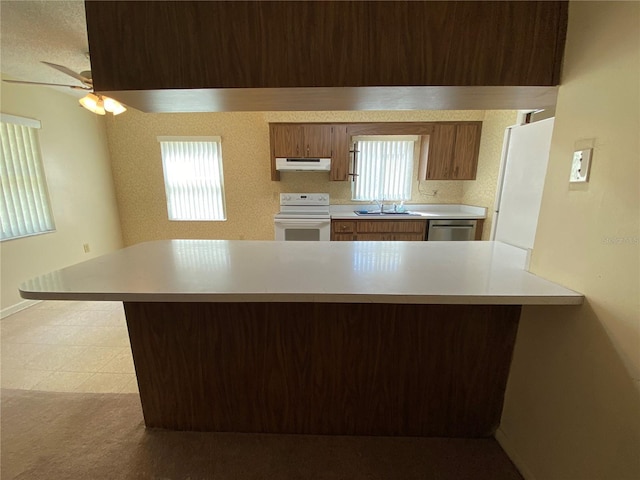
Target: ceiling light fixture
<point>113,106</point>
<point>100,105</point>
<point>93,103</point>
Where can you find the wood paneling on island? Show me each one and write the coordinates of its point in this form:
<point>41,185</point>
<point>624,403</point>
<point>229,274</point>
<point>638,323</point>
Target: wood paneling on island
<point>323,368</point>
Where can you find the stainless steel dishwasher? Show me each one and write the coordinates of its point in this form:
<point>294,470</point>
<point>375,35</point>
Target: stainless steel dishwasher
<point>451,230</point>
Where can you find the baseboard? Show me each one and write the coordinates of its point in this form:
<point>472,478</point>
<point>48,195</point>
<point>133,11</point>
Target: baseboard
<point>5,312</point>
<point>511,452</point>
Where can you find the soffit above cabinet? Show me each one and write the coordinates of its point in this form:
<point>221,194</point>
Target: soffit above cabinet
<point>377,54</point>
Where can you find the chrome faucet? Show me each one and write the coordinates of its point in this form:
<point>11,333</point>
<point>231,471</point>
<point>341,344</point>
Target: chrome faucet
<point>380,204</point>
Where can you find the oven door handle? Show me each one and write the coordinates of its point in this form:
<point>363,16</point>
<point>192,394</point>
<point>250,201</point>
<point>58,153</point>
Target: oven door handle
<point>302,222</point>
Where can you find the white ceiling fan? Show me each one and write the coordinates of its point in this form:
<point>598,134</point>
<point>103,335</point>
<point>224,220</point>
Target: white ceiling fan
<point>93,102</point>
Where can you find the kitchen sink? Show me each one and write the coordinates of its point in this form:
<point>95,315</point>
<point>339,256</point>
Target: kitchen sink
<point>366,213</point>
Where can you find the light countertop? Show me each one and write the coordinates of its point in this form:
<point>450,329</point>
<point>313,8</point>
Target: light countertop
<point>415,212</point>
<point>344,272</point>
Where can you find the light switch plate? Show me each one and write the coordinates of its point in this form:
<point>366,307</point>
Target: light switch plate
<point>581,165</point>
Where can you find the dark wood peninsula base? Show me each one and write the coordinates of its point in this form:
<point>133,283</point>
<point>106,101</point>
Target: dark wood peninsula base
<point>323,368</point>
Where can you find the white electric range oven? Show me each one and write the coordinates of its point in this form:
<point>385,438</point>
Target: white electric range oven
<point>303,216</point>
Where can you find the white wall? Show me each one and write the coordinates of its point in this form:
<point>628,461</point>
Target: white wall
<point>572,406</point>
<point>78,171</point>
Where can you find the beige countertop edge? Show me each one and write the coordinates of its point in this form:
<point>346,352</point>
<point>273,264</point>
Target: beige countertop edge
<point>576,299</point>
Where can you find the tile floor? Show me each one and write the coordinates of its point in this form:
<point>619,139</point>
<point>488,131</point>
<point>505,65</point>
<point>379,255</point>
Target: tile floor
<point>67,346</point>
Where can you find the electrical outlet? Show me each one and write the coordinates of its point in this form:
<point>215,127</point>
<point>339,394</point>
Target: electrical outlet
<point>86,248</point>
<point>580,165</point>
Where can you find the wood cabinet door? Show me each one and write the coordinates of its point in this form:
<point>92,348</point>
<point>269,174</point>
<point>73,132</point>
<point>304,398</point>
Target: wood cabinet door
<point>343,226</point>
<point>317,141</point>
<point>479,229</point>
<point>389,237</point>
<point>391,226</point>
<point>341,155</point>
<point>465,155</point>
<point>342,237</point>
<point>288,140</point>
<point>404,237</point>
<point>373,237</point>
<point>441,148</point>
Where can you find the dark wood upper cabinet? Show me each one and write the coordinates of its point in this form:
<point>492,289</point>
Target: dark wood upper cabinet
<point>441,146</point>
<point>448,150</point>
<point>465,154</point>
<point>288,140</point>
<point>453,151</point>
<point>341,153</point>
<point>317,141</point>
<point>301,140</point>
<point>155,45</point>
<point>304,140</point>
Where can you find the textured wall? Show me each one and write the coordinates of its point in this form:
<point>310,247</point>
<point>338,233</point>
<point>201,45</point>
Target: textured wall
<point>76,163</point>
<point>482,192</point>
<point>252,198</point>
<point>572,408</point>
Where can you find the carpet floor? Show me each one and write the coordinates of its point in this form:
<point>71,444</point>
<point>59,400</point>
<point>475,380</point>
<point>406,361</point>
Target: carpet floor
<point>48,435</point>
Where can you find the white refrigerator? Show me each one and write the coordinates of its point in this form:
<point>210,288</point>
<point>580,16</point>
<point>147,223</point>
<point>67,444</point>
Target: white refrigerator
<point>521,182</point>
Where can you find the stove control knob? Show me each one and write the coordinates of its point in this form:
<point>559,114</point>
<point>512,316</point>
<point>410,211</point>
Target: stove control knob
<point>321,198</point>
<point>287,197</point>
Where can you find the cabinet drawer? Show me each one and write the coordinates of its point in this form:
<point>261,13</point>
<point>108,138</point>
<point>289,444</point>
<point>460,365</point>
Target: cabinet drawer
<point>343,226</point>
<point>390,237</point>
<point>391,226</point>
<point>342,237</point>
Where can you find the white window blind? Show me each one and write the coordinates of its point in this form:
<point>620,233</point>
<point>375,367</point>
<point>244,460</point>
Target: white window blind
<point>24,200</point>
<point>384,169</point>
<point>193,177</point>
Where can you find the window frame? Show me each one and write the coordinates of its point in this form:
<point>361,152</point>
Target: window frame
<point>408,180</point>
<point>37,179</point>
<point>218,192</point>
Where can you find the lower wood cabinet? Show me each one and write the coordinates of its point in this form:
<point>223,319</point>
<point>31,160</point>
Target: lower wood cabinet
<point>380,230</point>
<point>343,230</point>
<point>389,237</point>
<point>385,230</point>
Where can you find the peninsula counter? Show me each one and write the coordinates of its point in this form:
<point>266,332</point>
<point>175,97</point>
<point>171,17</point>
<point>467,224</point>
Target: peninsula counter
<point>362,338</point>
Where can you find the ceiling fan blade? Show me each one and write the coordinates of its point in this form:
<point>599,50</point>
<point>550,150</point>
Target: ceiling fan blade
<point>75,87</point>
<point>68,71</point>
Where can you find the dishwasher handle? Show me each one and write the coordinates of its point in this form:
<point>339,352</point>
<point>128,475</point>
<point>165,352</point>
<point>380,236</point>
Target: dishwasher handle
<point>450,227</point>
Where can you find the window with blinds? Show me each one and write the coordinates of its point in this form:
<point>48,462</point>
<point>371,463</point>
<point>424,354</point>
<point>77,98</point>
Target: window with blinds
<point>193,178</point>
<point>24,199</point>
<point>384,168</point>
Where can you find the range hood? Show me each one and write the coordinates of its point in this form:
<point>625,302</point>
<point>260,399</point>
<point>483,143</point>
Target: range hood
<point>303,164</point>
